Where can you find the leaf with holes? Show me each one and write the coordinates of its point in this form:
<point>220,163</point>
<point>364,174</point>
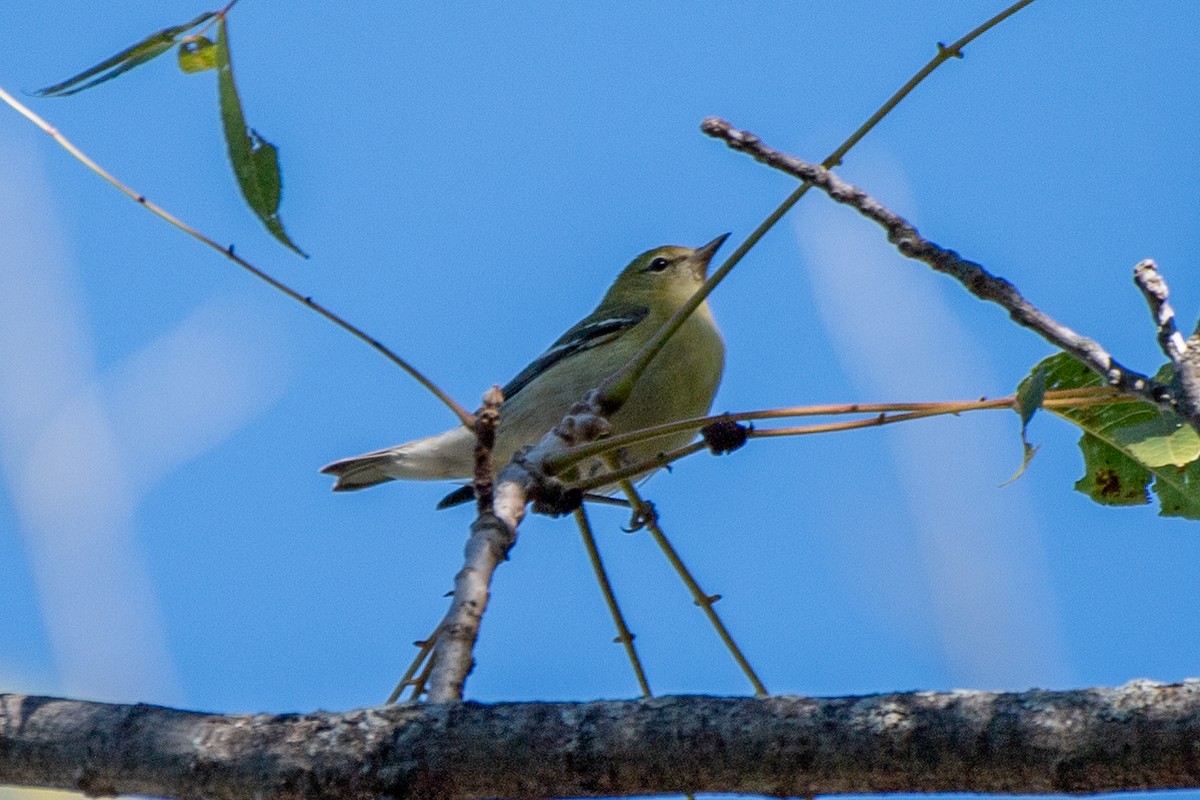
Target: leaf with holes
<point>255,160</point>
<point>1129,445</point>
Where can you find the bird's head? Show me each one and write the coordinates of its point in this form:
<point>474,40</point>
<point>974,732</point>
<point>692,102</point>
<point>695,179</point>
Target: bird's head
<point>665,275</point>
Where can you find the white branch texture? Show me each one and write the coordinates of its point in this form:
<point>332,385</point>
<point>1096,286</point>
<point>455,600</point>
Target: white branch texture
<point>977,280</point>
<point>1140,736</point>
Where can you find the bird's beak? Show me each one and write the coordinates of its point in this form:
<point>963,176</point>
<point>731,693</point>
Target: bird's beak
<point>704,254</point>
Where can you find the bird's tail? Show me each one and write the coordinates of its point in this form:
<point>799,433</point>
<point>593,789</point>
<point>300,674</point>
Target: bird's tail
<point>446,455</point>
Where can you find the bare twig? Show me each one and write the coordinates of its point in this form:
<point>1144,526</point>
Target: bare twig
<point>881,414</point>
<point>494,534</point>
<point>638,469</point>
<point>424,648</point>
<point>422,680</point>
<point>1184,355</point>
<point>974,277</point>
<point>1154,289</point>
<point>621,381</point>
<point>1140,736</point>
<point>1055,398</point>
<point>491,538</point>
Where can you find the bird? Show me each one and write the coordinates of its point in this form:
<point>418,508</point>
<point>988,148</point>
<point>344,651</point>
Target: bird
<point>679,383</point>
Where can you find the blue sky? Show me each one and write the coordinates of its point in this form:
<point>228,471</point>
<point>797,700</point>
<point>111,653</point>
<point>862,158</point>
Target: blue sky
<point>468,183</point>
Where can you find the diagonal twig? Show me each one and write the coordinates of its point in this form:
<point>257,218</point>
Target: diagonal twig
<point>645,515</point>
<point>493,535</point>
<point>228,252</point>
<point>977,280</point>
<point>409,679</point>
<point>622,380</point>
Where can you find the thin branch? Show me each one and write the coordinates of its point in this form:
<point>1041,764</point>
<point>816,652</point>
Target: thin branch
<point>451,662</point>
<point>944,54</point>
<point>624,635</point>
<point>1141,736</point>
<point>621,383</point>
<point>1184,355</point>
<point>639,468</point>
<point>494,534</point>
<point>1054,399</point>
<point>974,277</point>
<point>661,460</point>
<point>491,538</point>
<point>424,648</point>
<point>1154,288</point>
<point>463,415</point>
<point>222,14</point>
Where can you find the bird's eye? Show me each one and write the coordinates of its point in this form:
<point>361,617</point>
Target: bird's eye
<point>658,265</point>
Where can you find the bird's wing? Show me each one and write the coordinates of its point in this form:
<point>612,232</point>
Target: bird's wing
<point>587,334</point>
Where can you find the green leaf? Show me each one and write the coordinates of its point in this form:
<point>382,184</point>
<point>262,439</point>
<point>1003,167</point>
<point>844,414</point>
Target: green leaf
<point>255,160</point>
<point>147,49</point>
<point>1030,394</point>
<point>1129,445</point>
<point>197,55</point>
<point>1111,478</point>
<point>1181,497</point>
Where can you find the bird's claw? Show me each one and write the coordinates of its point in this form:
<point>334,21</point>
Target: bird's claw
<point>643,514</point>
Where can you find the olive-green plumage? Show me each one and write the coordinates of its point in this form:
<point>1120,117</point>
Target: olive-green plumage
<point>679,383</point>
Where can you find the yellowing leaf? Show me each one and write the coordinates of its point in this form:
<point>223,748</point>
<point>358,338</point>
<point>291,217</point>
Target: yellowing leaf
<point>1159,442</point>
<point>197,55</point>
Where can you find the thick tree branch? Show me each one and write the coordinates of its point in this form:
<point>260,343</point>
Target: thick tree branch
<point>1141,736</point>
<point>974,277</point>
<point>494,533</point>
<point>452,654</point>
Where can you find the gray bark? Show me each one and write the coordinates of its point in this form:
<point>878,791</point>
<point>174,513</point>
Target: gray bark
<point>1140,736</point>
